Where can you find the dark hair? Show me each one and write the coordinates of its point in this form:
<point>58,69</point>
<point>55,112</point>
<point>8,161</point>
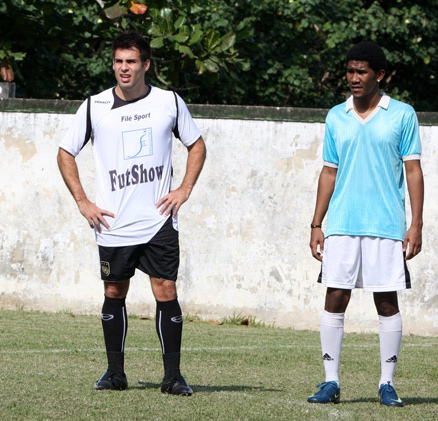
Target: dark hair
<point>370,52</point>
<point>128,40</point>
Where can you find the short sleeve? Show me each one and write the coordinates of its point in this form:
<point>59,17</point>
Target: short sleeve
<point>188,130</point>
<point>76,136</point>
<point>330,153</point>
<point>410,140</point>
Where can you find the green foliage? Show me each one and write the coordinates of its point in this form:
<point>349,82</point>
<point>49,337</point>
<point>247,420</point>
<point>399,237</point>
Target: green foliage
<point>69,56</point>
<point>275,52</point>
<point>301,47</point>
<point>65,54</point>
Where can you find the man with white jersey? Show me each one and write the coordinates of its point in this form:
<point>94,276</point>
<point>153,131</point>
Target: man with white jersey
<point>361,187</point>
<point>135,213</point>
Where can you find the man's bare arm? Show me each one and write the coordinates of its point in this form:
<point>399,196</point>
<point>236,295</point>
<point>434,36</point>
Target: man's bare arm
<point>195,162</point>
<point>70,174</point>
<point>326,185</point>
<point>414,178</point>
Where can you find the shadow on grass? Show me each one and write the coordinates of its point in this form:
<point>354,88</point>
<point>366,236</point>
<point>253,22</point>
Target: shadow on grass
<point>419,401</point>
<point>361,400</point>
<point>408,401</point>
<point>209,389</point>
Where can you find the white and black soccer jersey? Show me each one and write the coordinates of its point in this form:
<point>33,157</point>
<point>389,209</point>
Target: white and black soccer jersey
<point>132,149</point>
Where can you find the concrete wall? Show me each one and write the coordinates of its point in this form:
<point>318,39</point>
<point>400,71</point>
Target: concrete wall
<point>244,231</point>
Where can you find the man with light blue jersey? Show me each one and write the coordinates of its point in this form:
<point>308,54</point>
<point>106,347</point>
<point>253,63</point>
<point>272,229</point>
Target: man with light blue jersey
<point>368,139</point>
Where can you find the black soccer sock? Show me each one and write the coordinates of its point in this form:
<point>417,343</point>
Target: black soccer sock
<point>171,365</point>
<point>169,324</point>
<point>115,326</point>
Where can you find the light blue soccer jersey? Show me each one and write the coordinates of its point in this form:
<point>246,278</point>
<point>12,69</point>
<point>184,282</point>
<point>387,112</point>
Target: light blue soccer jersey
<point>369,194</point>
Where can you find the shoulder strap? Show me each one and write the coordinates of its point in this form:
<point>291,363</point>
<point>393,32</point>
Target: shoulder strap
<point>175,129</point>
<point>88,129</point>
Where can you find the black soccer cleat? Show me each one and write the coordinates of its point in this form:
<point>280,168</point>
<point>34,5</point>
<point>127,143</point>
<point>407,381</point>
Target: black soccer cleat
<point>177,385</point>
<point>112,381</point>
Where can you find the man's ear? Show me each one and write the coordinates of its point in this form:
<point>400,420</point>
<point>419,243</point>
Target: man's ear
<point>380,75</point>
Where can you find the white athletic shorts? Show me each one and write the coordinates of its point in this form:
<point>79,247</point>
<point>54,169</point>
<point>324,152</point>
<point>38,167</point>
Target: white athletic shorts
<point>372,263</point>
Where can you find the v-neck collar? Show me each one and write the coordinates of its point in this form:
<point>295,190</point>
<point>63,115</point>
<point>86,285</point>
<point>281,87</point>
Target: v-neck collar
<point>383,103</point>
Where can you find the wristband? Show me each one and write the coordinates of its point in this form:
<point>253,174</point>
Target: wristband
<point>315,226</point>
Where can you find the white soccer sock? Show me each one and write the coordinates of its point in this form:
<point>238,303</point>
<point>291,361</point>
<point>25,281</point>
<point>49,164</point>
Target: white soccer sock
<point>332,334</point>
<point>390,334</point>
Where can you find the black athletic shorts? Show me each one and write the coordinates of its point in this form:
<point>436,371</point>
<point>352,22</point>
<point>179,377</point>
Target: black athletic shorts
<point>158,258</point>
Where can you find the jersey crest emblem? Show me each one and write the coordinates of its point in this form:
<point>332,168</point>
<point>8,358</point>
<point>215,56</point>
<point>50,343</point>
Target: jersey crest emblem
<point>105,267</point>
<point>137,143</point>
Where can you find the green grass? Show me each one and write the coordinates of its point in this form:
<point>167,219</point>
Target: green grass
<point>49,363</point>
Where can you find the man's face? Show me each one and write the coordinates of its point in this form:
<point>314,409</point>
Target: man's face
<point>129,69</point>
<point>362,79</point>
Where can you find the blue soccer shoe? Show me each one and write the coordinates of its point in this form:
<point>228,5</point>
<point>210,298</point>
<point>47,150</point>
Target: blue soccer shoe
<point>388,396</point>
<point>328,392</point>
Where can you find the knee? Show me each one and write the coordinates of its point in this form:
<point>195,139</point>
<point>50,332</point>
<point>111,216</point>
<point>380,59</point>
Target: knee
<point>164,290</point>
<point>116,289</point>
<point>387,310</point>
<point>337,307</point>
<point>337,300</point>
<point>386,303</point>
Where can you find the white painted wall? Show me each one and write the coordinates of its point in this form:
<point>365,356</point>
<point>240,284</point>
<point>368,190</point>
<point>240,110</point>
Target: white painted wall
<point>244,232</point>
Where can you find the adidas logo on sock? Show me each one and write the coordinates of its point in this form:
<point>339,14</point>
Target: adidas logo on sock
<point>326,357</point>
<point>393,359</point>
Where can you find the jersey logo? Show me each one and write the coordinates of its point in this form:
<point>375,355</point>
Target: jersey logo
<point>105,267</point>
<point>137,143</point>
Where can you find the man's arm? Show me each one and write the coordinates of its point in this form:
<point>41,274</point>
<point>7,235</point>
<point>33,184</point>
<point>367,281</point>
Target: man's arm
<point>414,178</point>
<point>326,185</point>
<point>70,174</point>
<point>195,162</point>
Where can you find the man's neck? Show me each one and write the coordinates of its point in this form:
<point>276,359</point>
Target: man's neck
<point>365,106</point>
<point>131,95</point>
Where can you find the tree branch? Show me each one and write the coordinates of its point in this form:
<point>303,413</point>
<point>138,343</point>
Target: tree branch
<point>172,60</point>
<point>167,84</point>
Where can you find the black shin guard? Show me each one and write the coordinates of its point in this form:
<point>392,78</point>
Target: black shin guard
<point>115,326</point>
<point>169,323</point>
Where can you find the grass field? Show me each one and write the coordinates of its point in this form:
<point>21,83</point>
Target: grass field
<point>49,363</point>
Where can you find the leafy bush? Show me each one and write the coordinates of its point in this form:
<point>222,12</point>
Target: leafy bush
<point>275,52</point>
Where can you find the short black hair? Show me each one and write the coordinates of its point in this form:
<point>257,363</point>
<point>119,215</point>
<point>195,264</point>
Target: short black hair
<point>129,40</point>
<point>370,52</point>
